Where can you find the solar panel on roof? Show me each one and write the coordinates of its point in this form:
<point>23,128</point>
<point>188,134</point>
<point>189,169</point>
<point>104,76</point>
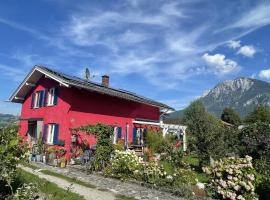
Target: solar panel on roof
<point>121,92</point>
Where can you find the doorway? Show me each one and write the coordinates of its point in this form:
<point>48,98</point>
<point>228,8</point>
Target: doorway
<point>34,131</point>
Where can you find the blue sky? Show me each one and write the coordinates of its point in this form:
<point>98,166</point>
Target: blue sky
<point>171,51</point>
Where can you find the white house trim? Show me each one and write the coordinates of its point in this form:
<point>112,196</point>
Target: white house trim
<point>27,83</point>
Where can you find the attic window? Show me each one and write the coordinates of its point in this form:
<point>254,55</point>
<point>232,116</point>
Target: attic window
<point>37,99</point>
<point>51,96</point>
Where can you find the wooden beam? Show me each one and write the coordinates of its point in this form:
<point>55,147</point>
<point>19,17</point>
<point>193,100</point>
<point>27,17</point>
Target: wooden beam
<point>30,84</point>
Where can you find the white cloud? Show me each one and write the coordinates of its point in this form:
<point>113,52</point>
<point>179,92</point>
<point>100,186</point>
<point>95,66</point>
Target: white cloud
<point>254,18</point>
<point>234,44</point>
<point>219,64</point>
<point>264,73</point>
<point>15,74</point>
<point>247,50</point>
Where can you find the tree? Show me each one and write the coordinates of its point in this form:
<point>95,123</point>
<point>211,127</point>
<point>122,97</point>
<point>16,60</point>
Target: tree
<point>206,130</point>
<point>230,116</point>
<point>255,140</point>
<point>260,114</point>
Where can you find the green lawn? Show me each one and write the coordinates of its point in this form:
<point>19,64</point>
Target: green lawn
<point>51,190</point>
<point>193,161</point>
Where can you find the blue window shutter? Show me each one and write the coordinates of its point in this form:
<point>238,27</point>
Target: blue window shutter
<point>134,136</point>
<point>41,98</point>
<point>32,100</point>
<point>45,97</point>
<point>55,135</point>
<point>56,94</point>
<point>119,132</point>
<point>44,136</point>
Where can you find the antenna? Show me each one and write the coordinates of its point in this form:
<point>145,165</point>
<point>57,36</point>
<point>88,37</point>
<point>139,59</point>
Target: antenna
<point>87,74</point>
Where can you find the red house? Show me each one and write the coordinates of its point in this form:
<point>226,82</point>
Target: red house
<point>53,102</point>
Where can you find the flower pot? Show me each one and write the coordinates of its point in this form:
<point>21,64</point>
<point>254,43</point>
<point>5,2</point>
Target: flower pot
<point>38,158</point>
<point>51,159</point>
<point>44,159</point>
<point>63,164</point>
<point>55,162</point>
<point>30,157</point>
<point>72,162</point>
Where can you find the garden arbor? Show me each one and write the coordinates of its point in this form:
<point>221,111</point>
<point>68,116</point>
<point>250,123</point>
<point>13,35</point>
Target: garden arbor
<point>178,130</point>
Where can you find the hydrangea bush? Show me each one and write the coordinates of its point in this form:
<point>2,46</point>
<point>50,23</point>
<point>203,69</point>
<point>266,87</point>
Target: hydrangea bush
<point>232,178</point>
<point>124,164</point>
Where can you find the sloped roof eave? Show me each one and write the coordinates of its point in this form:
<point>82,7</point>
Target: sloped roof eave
<point>91,86</point>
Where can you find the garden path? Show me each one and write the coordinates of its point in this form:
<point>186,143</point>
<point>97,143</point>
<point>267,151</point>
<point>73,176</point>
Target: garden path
<point>118,187</point>
<point>86,192</point>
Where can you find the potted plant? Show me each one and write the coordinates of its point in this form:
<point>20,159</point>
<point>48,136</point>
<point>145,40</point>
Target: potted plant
<point>45,153</point>
<point>52,151</point>
<point>63,162</point>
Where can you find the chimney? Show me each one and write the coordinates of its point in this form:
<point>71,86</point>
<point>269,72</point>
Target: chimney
<point>105,80</point>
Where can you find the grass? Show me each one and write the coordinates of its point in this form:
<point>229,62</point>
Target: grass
<point>123,197</point>
<point>26,164</point>
<point>51,190</point>
<point>69,179</point>
<point>193,161</point>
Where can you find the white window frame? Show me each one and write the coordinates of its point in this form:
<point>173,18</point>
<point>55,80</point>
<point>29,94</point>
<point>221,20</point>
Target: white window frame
<point>51,96</point>
<point>50,133</point>
<point>37,100</point>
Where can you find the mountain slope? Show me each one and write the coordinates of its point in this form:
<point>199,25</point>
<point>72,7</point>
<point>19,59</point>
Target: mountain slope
<point>241,94</point>
<point>7,118</point>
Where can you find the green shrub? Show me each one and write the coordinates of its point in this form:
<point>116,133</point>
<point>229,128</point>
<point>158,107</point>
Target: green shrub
<point>12,151</point>
<point>158,143</point>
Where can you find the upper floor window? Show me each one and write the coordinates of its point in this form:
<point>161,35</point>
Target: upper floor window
<point>51,97</point>
<point>44,98</point>
<point>38,99</point>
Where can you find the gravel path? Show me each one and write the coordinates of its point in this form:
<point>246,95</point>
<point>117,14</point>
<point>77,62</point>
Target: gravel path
<point>116,186</point>
<point>86,192</point>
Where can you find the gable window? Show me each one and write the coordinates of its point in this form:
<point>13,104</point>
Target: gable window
<point>50,136</point>
<point>37,100</point>
<point>51,96</point>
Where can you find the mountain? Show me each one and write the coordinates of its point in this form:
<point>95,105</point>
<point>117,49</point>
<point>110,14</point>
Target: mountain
<point>241,94</point>
<point>7,118</point>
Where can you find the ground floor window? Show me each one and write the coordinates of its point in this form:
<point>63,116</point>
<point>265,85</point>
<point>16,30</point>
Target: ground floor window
<point>51,129</point>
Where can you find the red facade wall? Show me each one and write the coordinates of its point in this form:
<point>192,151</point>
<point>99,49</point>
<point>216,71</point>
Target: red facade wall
<point>78,107</point>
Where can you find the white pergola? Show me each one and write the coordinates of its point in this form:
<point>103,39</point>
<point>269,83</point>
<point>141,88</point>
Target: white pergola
<point>177,130</point>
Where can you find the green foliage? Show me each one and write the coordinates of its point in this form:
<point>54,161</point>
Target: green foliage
<point>231,139</point>
<point>259,114</point>
<point>232,178</point>
<point>157,143</point>
<point>104,146</point>
<point>255,140</point>
<point>12,151</point>
<point>230,116</point>
<point>206,131</point>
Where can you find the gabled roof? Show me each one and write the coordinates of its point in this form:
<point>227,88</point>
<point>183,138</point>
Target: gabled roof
<point>72,81</point>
